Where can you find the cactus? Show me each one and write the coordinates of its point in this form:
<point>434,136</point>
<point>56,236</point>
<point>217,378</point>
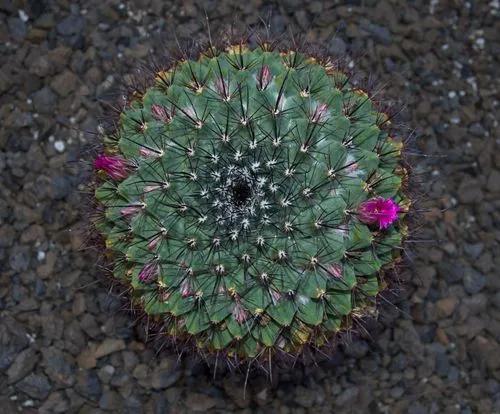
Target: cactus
<point>252,201</point>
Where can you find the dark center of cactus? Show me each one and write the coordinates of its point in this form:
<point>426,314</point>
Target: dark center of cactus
<point>237,196</point>
<point>241,192</point>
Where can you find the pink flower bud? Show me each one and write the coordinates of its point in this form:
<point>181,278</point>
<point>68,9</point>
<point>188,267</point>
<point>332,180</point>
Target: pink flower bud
<point>153,243</point>
<point>161,113</point>
<point>352,168</point>
<point>264,77</point>
<point>320,113</point>
<point>131,210</point>
<point>222,88</point>
<point>114,166</point>
<point>239,313</point>
<point>149,153</point>
<point>164,295</point>
<point>149,272</point>
<point>149,188</point>
<point>380,211</point>
<point>335,270</point>
<point>185,288</point>
<point>275,295</point>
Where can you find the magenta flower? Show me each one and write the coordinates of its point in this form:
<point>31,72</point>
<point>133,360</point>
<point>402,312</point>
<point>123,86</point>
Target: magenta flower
<point>380,211</point>
<point>116,167</point>
<point>149,272</point>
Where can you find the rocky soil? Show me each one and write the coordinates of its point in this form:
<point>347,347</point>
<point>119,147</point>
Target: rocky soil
<point>65,345</point>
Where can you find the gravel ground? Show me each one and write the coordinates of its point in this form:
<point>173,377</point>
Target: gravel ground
<point>64,344</point>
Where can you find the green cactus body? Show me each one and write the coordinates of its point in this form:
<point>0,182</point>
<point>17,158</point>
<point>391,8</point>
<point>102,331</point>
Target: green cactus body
<point>236,225</point>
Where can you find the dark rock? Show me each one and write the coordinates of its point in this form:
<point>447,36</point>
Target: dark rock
<point>164,378</point>
<point>493,183</point>
<point>17,28</point>
<point>58,366</point>
<point>19,258</point>
<point>55,403</point>
<point>379,33</point>
<point>65,83</point>
<point>35,385</point>
<point>88,384</point>
<point>417,408</point>
<point>348,397</point>
<point>474,250</point>
<point>442,364</point>
<point>446,306</point>
<point>469,192</point>
<point>13,339</point>
<point>71,25</point>
<point>23,364</point>
<point>474,281</point>
<point>357,349</point>
<point>61,187</point>
<point>337,46</point>
<point>198,402</point>
<point>44,100</point>
<point>110,401</point>
<point>485,352</point>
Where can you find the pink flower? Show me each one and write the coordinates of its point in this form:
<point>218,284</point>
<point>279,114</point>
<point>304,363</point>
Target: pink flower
<point>149,272</point>
<point>352,167</point>
<point>222,88</point>
<point>116,167</point>
<point>380,211</point>
<point>155,241</point>
<point>275,295</point>
<point>150,188</point>
<point>131,210</point>
<point>161,113</point>
<point>239,312</point>
<point>186,289</point>
<point>335,270</point>
<point>149,153</point>
<point>320,113</point>
<point>264,77</point>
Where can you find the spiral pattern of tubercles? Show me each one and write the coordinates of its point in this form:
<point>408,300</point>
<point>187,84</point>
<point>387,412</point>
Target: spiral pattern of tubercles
<point>232,208</point>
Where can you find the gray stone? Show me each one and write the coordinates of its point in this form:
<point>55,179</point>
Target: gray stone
<point>19,258</point>
<point>23,364</point>
<point>44,100</point>
<point>88,384</point>
<point>35,385</point>
<point>337,46</point>
<point>71,25</point>
<point>199,402</point>
<point>110,401</point>
<point>474,281</point>
<point>164,378</point>
<point>17,28</point>
<point>58,366</point>
<point>380,33</point>
<point>65,83</point>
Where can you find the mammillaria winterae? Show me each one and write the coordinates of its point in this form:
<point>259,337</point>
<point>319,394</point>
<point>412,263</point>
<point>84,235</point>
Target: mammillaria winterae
<point>252,201</point>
